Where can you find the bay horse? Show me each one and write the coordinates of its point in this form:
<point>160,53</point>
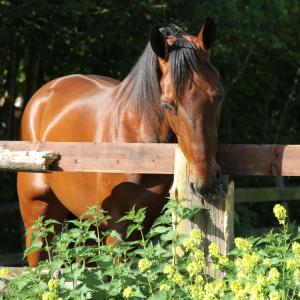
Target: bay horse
<point>173,94</point>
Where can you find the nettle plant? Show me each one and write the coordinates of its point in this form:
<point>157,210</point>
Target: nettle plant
<point>150,268</point>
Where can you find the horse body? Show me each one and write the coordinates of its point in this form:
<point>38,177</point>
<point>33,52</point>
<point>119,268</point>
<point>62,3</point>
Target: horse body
<point>78,108</point>
<point>153,104</point>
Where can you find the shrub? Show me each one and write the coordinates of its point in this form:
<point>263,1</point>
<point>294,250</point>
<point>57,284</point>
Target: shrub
<point>258,268</point>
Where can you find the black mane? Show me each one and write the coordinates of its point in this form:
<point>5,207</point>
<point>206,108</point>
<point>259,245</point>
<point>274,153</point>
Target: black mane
<point>143,81</point>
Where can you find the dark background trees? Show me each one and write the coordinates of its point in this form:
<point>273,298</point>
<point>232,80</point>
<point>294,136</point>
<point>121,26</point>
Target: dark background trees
<point>257,53</point>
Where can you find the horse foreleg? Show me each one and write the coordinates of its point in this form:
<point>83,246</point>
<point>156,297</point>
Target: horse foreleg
<point>36,200</point>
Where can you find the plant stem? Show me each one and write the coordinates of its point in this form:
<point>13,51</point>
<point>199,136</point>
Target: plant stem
<point>284,264</point>
<point>98,239</point>
<point>48,249</point>
<point>151,291</point>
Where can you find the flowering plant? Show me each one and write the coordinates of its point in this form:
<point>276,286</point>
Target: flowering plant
<point>161,265</point>
<point>266,267</point>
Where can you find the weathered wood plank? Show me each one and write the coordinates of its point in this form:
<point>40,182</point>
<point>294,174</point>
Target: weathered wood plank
<point>268,160</point>
<point>32,161</point>
<point>215,218</point>
<point>105,157</point>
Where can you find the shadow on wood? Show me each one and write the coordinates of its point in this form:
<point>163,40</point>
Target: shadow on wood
<point>215,218</point>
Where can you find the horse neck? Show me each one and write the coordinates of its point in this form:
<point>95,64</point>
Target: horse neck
<point>137,126</point>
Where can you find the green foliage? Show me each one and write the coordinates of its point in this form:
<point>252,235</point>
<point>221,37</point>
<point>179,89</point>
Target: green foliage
<point>171,266</point>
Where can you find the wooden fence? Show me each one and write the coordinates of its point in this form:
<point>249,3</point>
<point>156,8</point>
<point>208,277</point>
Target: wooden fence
<point>268,160</point>
<point>216,217</point>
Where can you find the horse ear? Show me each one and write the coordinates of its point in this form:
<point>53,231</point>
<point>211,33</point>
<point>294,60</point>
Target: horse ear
<point>207,34</point>
<point>158,43</point>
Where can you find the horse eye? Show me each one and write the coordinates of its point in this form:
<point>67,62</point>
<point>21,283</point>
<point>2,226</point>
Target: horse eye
<point>166,106</point>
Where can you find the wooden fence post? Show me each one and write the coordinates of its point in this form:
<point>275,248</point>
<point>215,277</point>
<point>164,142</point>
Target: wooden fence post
<point>215,219</point>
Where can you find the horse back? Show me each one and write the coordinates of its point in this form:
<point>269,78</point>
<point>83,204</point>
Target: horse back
<point>65,109</point>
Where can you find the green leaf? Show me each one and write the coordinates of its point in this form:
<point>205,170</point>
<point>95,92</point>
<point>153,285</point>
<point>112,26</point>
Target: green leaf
<point>168,236</point>
<point>131,228</point>
<point>160,229</point>
<point>103,261</point>
<point>161,295</point>
<point>36,245</point>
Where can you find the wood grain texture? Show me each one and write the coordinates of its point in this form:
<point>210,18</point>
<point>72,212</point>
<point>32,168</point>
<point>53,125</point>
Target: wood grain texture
<point>104,157</point>
<point>215,217</point>
<point>267,160</point>
<point>33,161</point>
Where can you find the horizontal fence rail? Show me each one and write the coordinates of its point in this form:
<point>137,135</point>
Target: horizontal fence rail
<point>268,160</point>
<point>266,194</point>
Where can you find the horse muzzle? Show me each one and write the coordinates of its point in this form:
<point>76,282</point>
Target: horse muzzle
<point>205,190</point>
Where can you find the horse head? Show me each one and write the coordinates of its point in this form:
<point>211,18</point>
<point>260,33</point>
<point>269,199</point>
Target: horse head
<point>191,98</point>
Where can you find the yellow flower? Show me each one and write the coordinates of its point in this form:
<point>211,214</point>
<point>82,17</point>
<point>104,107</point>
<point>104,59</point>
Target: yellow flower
<point>198,256</point>
<point>296,248</point>
<point>192,268</point>
<point>247,262</point>
<point>169,270</point>
<point>241,275</point>
<point>188,244</point>
<point>258,296</point>
<point>291,264</point>
<point>241,294</point>
<point>274,295</point>
<point>52,284</point>
<point>223,260</point>
<point>267,261</point>
<point>242,244</point>
<point>196,237</point>
<point>261,280</point>
<point>144,264</point>
<point>255,288</point>
<point>235,286</point>
<point>196,291</point>
<point>199,280</point>
<point>219,287</point>
<point>280,213</point>
<point>164,287</point>
<point>48,295</point>
<point>178,279</point>
<point>209,288</point>
<point>4,272</point>
<point>213,249</point>
<point>127,293</point>
<point>273,276</point>
<point>296,276</point>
